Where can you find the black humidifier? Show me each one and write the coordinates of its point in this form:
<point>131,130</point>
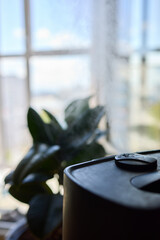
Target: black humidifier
<point>116,197</point>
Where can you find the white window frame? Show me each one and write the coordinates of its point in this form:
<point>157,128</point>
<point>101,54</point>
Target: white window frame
<point>27,56</point>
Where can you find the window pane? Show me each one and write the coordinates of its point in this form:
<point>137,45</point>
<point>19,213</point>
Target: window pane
<point>124,21</point>
<point>153,24</point>
<point>11,27</point>
<point>136,12</point>
<point>130,25</point>
<point>55,81</point>
<point>60,24</point>
<point>145,103</point>
<point>14,104</point>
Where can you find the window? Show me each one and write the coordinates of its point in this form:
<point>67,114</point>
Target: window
<point>144,131</point>
<point>52,52</point>
<point>127,71</point>
<point>44,62</point>
<point>12,27</point>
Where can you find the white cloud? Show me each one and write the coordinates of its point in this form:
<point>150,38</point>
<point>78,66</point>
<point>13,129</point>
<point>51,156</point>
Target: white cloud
<point>65,39</point>
<point>43,34</point>
<point>18,33</point>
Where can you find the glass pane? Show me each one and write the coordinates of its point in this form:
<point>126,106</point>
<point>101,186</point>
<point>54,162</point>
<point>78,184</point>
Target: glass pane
<point>60,24</point>
<point>135,112</point>
<point>153,24</point>
<point>14,108</point>
<point>124,25</point>
<point>145,103</point>
<point>136,23</point>
<point>11,27</point>
<point>130,24</point>
<point>55,81</point>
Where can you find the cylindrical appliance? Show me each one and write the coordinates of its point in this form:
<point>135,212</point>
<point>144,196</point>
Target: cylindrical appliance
<point>116,197</point>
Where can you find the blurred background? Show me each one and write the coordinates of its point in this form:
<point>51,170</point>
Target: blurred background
<point>55,51</point>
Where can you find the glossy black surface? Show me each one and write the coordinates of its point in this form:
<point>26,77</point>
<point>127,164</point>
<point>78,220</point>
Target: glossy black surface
<point>105,201</point>
<point>136,162</point>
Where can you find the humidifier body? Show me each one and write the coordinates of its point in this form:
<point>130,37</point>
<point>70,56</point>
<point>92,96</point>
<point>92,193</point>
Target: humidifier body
<point>116,197</point>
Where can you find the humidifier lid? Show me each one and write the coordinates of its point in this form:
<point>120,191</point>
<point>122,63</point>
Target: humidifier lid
<point>106,179</point>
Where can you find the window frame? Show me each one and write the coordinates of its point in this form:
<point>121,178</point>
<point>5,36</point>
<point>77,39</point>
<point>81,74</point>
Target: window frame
<point>27,55</point>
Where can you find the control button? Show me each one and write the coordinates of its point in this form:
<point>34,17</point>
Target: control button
<point>135,162</point>
<point>148,182</point>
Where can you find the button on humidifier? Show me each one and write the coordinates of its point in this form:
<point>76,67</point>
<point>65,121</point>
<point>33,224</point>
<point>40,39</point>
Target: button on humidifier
<point>136,162</point>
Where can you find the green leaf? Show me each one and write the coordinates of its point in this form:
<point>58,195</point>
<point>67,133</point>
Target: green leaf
<point>9,178</point>
<point>82,128</point>
<point>38,128</point>
<point>45,214</point>
<point>55,132</point>
<point>53,120</point>
<point>25,192</point>
<point>41,161</point>
<point>37,177</point>
<point>54,127</point>
<point>89,152</point>
<point>35,149</point>
<point>98,134</point>
<point>85,153</point>
<point>75,109</point>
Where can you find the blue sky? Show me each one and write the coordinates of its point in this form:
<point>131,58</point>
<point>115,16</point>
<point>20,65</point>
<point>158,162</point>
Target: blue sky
<point>66,23</point>
<point>12,26</point>
<point>53,24</point>
<point>131,22</point>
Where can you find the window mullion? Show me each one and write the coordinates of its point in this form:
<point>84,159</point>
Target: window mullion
<point>1,124</point>
<point>28,44</point>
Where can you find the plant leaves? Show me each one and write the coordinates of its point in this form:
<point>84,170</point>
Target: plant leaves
<point>38,128</point>
<point>53,120</point>
<point>86,153</point>
<point>9,178</point>
<point>82,128</point>
<point>41,161</point>
<point>45,214</point>
<point>25,192</point>
<point>35,149</point>
<point>75,109</point>
<point>54,127</point>
<point>56,133</point>
<point>98,134</point>
<point>37,177</point>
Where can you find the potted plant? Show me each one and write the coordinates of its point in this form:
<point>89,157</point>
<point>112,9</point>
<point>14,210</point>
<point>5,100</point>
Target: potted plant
<point>53,149</point>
